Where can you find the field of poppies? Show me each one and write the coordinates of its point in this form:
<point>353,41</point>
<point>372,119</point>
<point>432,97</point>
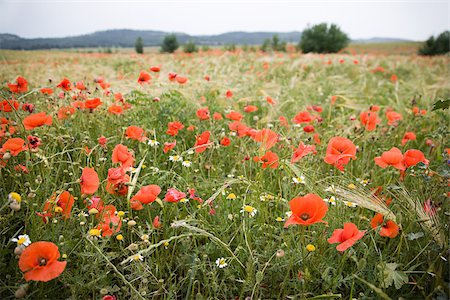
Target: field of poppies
<point>223,175</point>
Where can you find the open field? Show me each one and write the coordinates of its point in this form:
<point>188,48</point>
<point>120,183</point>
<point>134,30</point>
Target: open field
<point>274,153</point>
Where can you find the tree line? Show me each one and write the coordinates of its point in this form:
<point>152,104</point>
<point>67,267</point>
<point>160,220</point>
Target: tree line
<point>320,38</point>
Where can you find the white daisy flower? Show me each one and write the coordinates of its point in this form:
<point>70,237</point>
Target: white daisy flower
<point>153,143</point>
<point>331,200</point>
<point>136,257</point>
<point>250,209</point>
<point>299,180</point>
<point>350,204</point>
<point>22,240</point>
<point>175,158</point>
<point>221,263</point>
<point>187,163</point>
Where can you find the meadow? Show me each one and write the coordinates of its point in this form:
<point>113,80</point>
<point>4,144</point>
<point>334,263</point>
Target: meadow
<point>223,175</point>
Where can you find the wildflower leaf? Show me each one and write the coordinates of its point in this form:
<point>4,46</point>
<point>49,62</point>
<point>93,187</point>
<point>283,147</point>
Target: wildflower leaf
<point>392,276</point>
<point>441,104</point>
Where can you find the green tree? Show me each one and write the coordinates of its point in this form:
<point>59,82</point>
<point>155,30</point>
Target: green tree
<point>139,45</point>
<point>436,46</point>
<point>169,44</point>
<point>265,47</point>
<point>322,38</point>
<point>190,47</point>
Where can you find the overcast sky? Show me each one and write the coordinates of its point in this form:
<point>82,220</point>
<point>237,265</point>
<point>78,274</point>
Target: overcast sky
<point>415,20</point>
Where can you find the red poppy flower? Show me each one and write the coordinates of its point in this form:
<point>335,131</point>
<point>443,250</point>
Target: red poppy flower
<point>169,146</point>
<point>91,104</point>
<point>102,141</point>
<point>172,76</point>
<point>115,109</point>
<point>94,202</point>
<point>412,157</point>
<point>241,128</point>
<point>181,79</point>
<point>156,223</point>
<point>65,85</point>
<point>389,228</point>
<point>270,100</point>
<point>145,195</point>
<point>173,195</point>
<point>250,108</point>
<point>116,175</point>
<point>393,117</point>
<point>302,150</point>
<point>302,117</point>
<point>119,188</point>
<point>155,69</point>
<point>394,78</point>
<point>89,181</point>
<point>21,85</point>
<point>307,210</point>
<point>34,142</point>
<point>135,133</point>
<point>65,112</point>
<point>269,159</point>
<point>225,141</point>
<point>203,113</point>
<point>39,262</point>
<point>37,120</point>
<point>111,222</point>
<point>308,128</point>
<point>369,119</point>
<point>144,77</point>
<point>266,137</point>
<point>14,146</point>
<point>235,116</point>
<point>8,106</point>
<point>409,136</point>
<point>28,107</point>
<point>123,156</point>
<point>284,121</point>
<point>393,157</point>
<point>58,204</point>
<point>174,127</point>
<point>229,94</point>
<point>339,152</point>
<point>217,116</point>
<point>80,85</point>
<point>346,237</point>
<point>46,91</point>
<point>202,141</point>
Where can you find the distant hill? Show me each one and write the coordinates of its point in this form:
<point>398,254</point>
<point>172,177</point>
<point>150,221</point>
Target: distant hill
<point>127,38</point>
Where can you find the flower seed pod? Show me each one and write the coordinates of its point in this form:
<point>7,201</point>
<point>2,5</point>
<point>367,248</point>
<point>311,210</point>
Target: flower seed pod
<point>18,250</point>
<point>21,291</point>
<point>6,156</point>
<point>15,206</point>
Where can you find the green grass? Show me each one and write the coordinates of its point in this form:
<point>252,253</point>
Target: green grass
<point>184,267</point>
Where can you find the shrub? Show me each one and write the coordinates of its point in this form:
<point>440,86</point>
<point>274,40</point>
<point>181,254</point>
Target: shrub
<point>169,44</point>
<point>322,38</point>
<point>139,45</point>
<point>436,46</point>
<point>190,47</point>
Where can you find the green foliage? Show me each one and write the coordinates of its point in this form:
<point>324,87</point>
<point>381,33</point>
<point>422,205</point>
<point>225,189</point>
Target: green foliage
<point>265,47</point>
<point>322,38</point>
<point>205,48</point>
<point>190,47</point>
<point>230,47</point>
<point>390,275</point>
<point>436,46</point>
<point>169,44</point>
<point>139,45</point>
<point>441,104</point>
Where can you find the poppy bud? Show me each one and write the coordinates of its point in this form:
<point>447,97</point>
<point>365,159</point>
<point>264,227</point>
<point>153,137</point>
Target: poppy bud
<point>6,156</point>
<point>18,250</point>
<point>280,253</point>
<point>131,223</point>
<point>21,291</point>
<point>15,206</point>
